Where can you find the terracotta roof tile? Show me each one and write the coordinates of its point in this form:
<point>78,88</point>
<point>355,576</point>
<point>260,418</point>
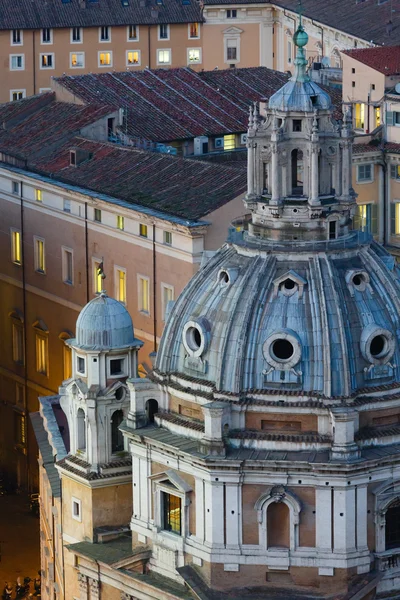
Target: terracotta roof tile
<point>385,59</point>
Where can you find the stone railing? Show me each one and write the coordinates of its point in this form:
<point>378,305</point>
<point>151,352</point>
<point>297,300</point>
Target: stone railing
<point>388,560</point>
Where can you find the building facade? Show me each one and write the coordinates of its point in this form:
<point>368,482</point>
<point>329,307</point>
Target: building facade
<point>264,443</point>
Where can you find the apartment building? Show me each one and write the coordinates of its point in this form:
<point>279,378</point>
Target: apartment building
<point>66,223</point>
<point>43,40</point>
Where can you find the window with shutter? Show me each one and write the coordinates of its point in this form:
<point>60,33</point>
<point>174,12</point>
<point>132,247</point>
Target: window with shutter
<point>374,219</point>
<point>393,219</point>
<point>389,118</point>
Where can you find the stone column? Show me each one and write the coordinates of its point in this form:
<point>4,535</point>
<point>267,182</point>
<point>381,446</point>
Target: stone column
<point>344,520</point>
<point>251,146</point>
<point>214,512</point>
<point>323,505</point>
<point>346,169</point>
<point>83,586</point>
<point>314,174</point>
<point>275,192</point>
<point>345,422</point>
<point>362,543</point>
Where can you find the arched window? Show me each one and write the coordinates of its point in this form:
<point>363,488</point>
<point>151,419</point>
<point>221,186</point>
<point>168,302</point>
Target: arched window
<point>151,409</point>
<point>297,172</point>
<point>117,439</point>
<point>392,525</point>
<point>81,430</point>
<point>17,324</point>
<point>67,354</point>
<point>42,347</point>
<point>278,525</point>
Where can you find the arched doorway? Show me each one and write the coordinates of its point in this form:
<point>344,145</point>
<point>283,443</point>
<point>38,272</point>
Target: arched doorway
<point>392,525</point>
<point>81,429</point>
<point>278,525</point>
<point>297,172</point>
<point>117,439</point>
<point>151,409</point>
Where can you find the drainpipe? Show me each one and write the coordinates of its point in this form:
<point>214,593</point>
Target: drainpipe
<point>383,212</point>
<point>87,252</point>
<point>34,61</point>
<point>154,291</point>
<point>368,111</point>
<point>149,44</point>
<point>24,327</point>
<point>322,36</point>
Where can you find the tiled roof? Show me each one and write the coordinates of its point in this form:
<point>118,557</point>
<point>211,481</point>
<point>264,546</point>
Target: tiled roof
<point>34,14</point>
<point>364,20</point>
<point>182,103</point>
<point>385,59</point>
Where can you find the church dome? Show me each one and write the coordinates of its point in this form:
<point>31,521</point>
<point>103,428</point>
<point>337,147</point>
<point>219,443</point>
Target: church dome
<point>292,320</point>
<point>104,323</point>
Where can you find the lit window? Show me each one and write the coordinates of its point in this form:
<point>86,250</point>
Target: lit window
<point>366,218</point>
<point>378,120</point>
<point>172,513</point>
<point>397,217</point>
<point>231,14</point>
<point>194,30</point>
<point>77,60</point>
<point>41,354</point>
<point>143,230</point>
<point>167,295</point>
<point>17,62</point>
<point>67,355</point>
<point>359,114</point>
<point>105,59</point>
<point>120,285</point>
<point>17,95</point>
<point>163,32</point>
<point>15,187</point>
<point>47,61</point>
<point>67,205</point>
<point>120,222</point>
<point>164,57</point>
<point>104,33</point>
<point>16,37</point>
<point>230,142</point>
<point>67,266</point>
<point>364,173</point>
<point>97,215</point>
<point>168,237</point>
<point>76,35</point>
<point>395,171</point>
<point>144,300</point>
<point>98,277</point>
<point>47,36</point>
<point>40,265</point>
<point>133,33</point>
<point>133,57</point>
<point>20,429</point>
<point>194,55</point>
<point>16,247</point>
<point>18,341</point>
<point>38,195</point>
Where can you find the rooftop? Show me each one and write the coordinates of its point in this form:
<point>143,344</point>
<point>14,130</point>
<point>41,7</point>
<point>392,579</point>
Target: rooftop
<point>385,59</point>
<point>182,103</point>
<point>35,14</point>
<point>366,20</point>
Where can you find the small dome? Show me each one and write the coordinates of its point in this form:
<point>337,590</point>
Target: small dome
<point>104,323</point>
<point>300,96</point>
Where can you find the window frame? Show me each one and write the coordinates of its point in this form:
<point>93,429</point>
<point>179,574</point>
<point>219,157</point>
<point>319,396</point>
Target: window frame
<point>42,41</point>
<point>38,195</point>
<point>67,355</point>
<point>128,64</point>
<point>96,262</point>
<point>17,91</point>
<point>71,66</point>
<point>16,191</point>
<point>123,372</point>
<point>108,40</point>
<point>132,39</point>
<point>67,202</point>
<point>42,337</point>
<point>194,37</point>
<point>168,31</point>
<point>53,61</point>
<point>14,254</point>
<point>143,235</point>
<point>194,62</point>
<point>236,40</point>
<point>141,307</point>
<point>18,341</point>
<point>64,251</point>
<point>20,432</point>
<point>362,180</point>
<point>160,64</point>
<point>96,213</point>
<point>38,269</point>
<point>117,279</point>
<point>166,286</point>
<point>167,233</point>
<point>76,515</point>
<point>22,67</point>
<point>231,13</point>
<point>80,41</point>
<point>79,357</point>
<point>99,53</point>
<point>120,221</point>
<point>21,37</point>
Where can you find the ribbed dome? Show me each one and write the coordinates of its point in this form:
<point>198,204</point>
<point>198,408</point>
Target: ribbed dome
<point>300,320</point>
<point>104,323</point>
<point>300,96</point>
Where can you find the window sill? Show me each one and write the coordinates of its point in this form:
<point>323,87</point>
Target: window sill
<point>17,264</point>
<point>40,272</point>
<point>68,282</point>
<point>364,181</point>
<point>145,313</point>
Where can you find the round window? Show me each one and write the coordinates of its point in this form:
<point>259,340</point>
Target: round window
<point>224,277</point>
<point>195,336</point>
<point>283,349</point>
<point>358,280</point>
<point>120,393</point>
<point>378,346</point>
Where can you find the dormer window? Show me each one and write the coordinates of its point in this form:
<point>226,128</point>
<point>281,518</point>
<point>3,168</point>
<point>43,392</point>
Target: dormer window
<point>297,125</point>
